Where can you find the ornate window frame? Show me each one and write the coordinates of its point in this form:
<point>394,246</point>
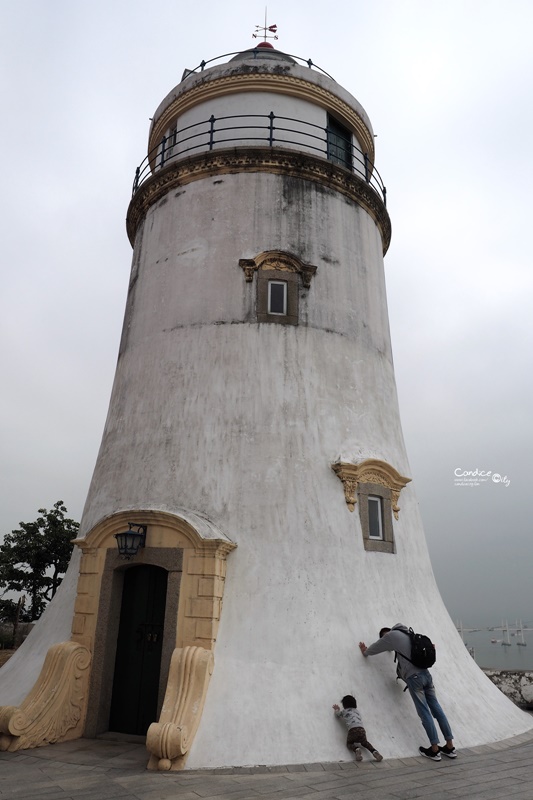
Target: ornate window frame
<point>279,266</point>
<point>386,543</point>
<point>373,478</point>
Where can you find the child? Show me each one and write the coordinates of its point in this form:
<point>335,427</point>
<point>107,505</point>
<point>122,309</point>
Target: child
<point>356,733</point>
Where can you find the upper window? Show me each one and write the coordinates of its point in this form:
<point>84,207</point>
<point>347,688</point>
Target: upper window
<point>279,277</point>
<point>170,142</point>
<point>339,141</point>
<point>172,138</point>
<point>277,297</point>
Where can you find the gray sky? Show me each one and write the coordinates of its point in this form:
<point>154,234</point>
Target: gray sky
<point>449,89</point>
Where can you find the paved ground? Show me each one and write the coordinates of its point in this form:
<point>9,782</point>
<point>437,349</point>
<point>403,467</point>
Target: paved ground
<point>89,769</point>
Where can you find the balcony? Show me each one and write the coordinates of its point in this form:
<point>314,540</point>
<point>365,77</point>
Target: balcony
<point>260,130</point>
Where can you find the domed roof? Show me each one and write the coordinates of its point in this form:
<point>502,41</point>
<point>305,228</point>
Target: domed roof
<point>264,50</point>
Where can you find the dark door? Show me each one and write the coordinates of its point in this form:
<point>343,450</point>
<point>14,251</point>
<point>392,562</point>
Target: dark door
<point>139,644</point>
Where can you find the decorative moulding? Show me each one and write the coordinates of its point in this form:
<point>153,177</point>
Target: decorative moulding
<point>169,740</point>
<point>54,709</point>
<point>202,583</point>
<point>275,160</point>
<point>280,261</point>
<point>370,471</point>
<point>181,525</point>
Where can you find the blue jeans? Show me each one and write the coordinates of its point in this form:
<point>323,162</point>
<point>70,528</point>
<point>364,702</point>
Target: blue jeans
<point>427,706</point>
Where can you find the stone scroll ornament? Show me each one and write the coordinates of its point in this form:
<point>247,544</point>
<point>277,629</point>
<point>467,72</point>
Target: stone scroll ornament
<point>169,740</point>
<point>370,471</point>
<point>280,261</point>
<point>53,711</point>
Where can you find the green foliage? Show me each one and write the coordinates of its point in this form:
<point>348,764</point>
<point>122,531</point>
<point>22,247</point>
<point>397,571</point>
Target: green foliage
<point>8,611</point>
<point>34,558</point>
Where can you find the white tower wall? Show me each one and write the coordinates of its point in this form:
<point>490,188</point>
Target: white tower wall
<point>283,387</point>
<point>216,414</point>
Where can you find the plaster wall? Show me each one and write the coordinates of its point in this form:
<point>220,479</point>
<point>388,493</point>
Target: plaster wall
<point>203,369</point>
<point>241,422</point>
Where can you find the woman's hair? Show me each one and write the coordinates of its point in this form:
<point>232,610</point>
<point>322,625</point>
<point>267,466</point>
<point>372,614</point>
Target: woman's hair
<point>348,701</point>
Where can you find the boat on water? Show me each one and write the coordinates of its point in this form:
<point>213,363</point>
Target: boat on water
<point>505,641</point>
<point>520,632</point>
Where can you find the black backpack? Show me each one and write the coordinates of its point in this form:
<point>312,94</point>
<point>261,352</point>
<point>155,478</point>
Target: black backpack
<point>423,652</point>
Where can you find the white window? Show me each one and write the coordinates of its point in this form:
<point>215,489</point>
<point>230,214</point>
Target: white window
<point>277,297</point>
<point>375,517</point>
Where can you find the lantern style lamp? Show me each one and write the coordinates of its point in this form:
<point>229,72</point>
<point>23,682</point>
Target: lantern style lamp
<point>129,542</point>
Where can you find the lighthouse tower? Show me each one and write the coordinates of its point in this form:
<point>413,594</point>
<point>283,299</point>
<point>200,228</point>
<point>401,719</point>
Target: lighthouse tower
<point>252,467</point>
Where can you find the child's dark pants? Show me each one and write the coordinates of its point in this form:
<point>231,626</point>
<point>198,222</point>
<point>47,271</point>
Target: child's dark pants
<point>357,738</point>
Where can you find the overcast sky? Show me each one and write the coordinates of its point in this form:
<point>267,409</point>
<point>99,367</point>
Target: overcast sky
<point>448,86</point>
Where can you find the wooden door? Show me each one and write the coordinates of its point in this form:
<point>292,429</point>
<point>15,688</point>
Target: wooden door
<point>139,645</point>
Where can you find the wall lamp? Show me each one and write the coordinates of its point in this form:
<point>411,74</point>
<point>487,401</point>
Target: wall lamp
<point>129,542</point>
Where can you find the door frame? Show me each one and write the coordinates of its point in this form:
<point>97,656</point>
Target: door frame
<point>105,646</point>
<point>192,550</point>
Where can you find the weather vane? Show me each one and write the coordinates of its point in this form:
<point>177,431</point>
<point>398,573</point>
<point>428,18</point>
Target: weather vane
<point>264,30</point>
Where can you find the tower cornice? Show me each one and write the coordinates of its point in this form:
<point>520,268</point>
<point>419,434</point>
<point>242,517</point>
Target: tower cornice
<point>286,84</point>
<point>257,159</point>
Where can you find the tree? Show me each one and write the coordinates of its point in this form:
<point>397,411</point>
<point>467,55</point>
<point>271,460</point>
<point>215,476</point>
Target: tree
<point>9,609</point>
<point>34,558</point>
<point>11,615</point>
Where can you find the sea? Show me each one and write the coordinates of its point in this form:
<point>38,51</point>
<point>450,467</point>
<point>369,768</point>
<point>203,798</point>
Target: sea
<point>495,655</point>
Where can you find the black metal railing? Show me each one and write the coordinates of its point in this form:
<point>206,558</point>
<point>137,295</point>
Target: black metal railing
<point>255,53</point>
<point>264,130</point>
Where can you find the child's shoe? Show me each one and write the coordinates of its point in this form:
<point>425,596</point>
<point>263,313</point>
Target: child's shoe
<point>377,756</point>
<point>358,754</point>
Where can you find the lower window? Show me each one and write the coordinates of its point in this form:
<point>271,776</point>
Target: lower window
<point>375,517</point>
<point>375,513</point>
